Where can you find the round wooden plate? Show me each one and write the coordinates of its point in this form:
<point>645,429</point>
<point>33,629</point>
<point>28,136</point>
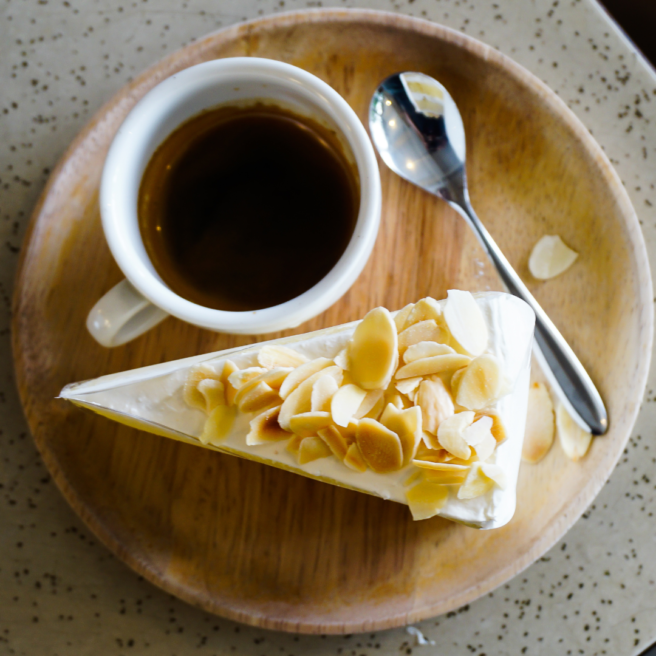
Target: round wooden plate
<point>272,549</point>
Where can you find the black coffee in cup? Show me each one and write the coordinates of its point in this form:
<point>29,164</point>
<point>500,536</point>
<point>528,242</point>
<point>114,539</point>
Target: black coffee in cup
<point>246,207</point>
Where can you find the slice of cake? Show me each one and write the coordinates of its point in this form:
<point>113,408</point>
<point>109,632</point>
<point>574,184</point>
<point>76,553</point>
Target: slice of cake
<point>425,406</point>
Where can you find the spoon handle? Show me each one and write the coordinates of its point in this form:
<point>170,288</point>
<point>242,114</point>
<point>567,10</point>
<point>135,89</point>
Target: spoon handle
<point>563,369</point>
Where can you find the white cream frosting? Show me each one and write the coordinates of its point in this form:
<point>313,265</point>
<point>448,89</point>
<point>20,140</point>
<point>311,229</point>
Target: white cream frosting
<point>151,398</point>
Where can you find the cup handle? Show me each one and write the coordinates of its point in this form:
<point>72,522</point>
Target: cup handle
<point>121,315</point>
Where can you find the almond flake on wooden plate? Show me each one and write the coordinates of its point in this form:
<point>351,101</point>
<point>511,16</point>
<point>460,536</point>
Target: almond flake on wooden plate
<point>574,440</point>
<point>540,426</point>
<point>550,257</point>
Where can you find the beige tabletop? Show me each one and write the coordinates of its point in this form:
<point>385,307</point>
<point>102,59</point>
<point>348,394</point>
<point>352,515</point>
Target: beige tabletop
<point>63,593</point>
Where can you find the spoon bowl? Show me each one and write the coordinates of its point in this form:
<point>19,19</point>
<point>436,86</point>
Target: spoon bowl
<point>420,137</point>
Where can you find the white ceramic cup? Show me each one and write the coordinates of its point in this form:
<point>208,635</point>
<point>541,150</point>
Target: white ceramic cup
<point>142,300</point>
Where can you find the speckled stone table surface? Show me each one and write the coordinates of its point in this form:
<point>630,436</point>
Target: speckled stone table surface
<point>62,593</point>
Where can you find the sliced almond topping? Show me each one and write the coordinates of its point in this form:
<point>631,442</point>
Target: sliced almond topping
<point>464,463</point>
<point>257,398</point>
<point>436,404</point>
<point>244,389</point>
<point>423,350</point>
<point>336,372</point>
<point>540,426</point>
<point>345,403</point>
<point>322,393</point>
<point>550,257</point>
<point>407,425</point>
<point>272,357</point>
<point>430,440</point>
<point>478,431</point>
<point>272,377</point>
<point>430,454</point>
<point>294,444</point>
<point>574,440</point>
<point>341,359</point>
<point>354,460</point>
<point>242,376</point>
<point>300,400</point>
<point>229,368</point>
<point>495,473</point>
<point>411,398</point>
<point>445,477</point>
<point>426,499</point>
<point>424,331</point>
<point>369,402</point>
<point>455,381</point>
<point>335,441</point>
<point>265,428</point>
<point>427,308</point>
<point>395,399</point>
<point>465,321</point>
<point>498,430</point>
<point>301,374</point>
<point>350,432</point>
<point>434,365</point>
<point>426,452</point>
<point>190,393</point>
<point>476,484</point>
<point>485,448</point>
<point>275,377</point>
<point>441,456</point>
<point>450,432</point>
<point>192,396</point>
<point>481,384</point>
<point>377,410</point>
<point>312,448</point>
<point>212,392</point>
<point>218,424</point>
<point>373,352</point>
<point>309,423</point>
<point>408,385</point>
<point>401,316</point>
<point>380,447</point>
<point>346,379</point>
<point>209,369</point>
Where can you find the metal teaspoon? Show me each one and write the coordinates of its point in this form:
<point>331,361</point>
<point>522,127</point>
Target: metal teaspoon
<point>418,131</point>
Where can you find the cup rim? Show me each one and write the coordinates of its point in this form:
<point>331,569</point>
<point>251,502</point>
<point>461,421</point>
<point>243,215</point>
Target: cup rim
<point>290,313</point>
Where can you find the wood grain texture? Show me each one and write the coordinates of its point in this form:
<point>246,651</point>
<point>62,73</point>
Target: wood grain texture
<point>273,549</point>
